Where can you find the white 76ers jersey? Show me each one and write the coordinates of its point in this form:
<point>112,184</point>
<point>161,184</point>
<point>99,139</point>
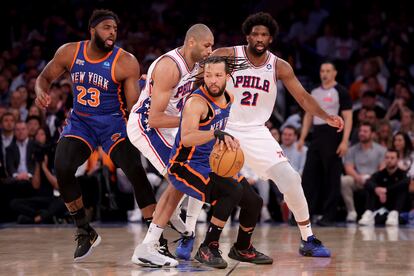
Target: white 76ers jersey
<point>254,91</point>
<point>179,92</point>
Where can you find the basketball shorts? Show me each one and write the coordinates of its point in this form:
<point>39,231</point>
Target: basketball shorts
<point>193,179</point>
<point>96,130</point>
<point>261,150</point>
<point>155,144</point>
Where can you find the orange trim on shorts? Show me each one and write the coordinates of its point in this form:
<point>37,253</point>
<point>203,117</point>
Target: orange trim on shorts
<point>176,153</point>
<point>80,138</point>
<point>91,60</point>
<point>75,56</point>
<point>203,196</point>
<point>112,147</point>
<point>214,101</point>
<point>197,174</point>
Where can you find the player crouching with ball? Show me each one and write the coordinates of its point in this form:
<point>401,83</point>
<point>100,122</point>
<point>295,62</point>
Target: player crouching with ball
<point>202,121</point>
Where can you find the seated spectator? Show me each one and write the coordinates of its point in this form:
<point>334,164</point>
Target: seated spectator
<point>402,144</point>
<point>384,134</point>
<point>296,157</point>
<point>369,102</point>
<point>361,161</point>
<point>7,124</point>
<point>46,206</point>
<point>386,188</point>
<point>407,123</point>
<point>275,133</point>
<point>33,125</point>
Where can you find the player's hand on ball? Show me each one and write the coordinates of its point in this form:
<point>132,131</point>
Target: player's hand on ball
<point>335,121</point>
<point>226,139</point>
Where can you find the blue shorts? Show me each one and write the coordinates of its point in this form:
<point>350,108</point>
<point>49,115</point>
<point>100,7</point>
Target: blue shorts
<point>96,130</point>
<point>193,180</point>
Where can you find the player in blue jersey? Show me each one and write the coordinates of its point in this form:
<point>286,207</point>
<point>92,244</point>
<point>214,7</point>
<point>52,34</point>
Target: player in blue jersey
<point>202,122</point>
<point>105,83</point>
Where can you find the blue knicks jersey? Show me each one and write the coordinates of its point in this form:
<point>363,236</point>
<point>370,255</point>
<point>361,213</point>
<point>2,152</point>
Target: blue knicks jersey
<point>216,119</point>
<point>95,89</point>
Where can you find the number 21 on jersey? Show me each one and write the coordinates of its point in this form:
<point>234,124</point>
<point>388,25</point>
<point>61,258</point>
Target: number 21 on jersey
<point>249,99</point>
<point>94,96</point>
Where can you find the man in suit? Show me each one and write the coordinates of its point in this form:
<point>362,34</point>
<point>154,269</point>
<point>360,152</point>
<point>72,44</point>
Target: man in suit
<point>7,124</point>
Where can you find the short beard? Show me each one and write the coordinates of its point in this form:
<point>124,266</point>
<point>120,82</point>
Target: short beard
<point>100,44</point>
<point>215,95</point>
<point>257,53</point>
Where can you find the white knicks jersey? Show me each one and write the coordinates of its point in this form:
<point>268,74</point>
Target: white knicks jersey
<point>254,91</point>
<point>178,93</point>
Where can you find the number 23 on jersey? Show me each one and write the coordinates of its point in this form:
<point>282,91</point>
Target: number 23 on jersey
<point>94,96</point>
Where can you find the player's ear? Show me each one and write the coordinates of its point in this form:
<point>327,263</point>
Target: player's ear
<point>271,40</point>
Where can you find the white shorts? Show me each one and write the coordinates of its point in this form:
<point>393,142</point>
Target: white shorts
<point>155,144</point>
<point>261,150</point>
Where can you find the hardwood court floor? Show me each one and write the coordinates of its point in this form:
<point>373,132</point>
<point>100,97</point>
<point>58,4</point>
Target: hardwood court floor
<point>356,251</point>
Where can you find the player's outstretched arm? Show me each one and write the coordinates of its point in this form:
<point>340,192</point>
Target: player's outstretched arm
<point>165,77</point>
<point>61,62</point>
<point>305,100</point>
<point>128,72</point>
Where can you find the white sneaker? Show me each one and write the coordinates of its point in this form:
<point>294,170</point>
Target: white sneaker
<point>265,215</point>
<point>135,215</point>
<point>367,218</point>
<point>351,217</point>
<point>392,219</point>
<point>146,254</point>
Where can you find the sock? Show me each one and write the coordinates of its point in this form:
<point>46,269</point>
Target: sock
<point>161,239</point>
<point>153,234</point>
<point>305,231</point>
<point>243,239</point>
<point>80,219</point>
<point>213,234</point>
<point>193,211</point>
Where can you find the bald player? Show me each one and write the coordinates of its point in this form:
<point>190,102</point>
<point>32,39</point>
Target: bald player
<point>154,120</point>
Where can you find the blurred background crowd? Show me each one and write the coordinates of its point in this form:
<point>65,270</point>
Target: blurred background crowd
<point>368,41</point>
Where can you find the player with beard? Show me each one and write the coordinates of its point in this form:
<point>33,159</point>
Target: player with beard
<point>104,77</point>
<point>255,93</point>
<point>202,122</point>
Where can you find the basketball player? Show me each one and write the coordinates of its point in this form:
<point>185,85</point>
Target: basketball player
<point>255,93</point>
<point>102,75</point>
<point>202,121</point>
<point>154,120</point>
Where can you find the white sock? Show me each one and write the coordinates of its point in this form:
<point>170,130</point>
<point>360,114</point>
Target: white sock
<point>176,220</point>
<point>305,231</point>
<point>193,211</point>
<point>153,234</point>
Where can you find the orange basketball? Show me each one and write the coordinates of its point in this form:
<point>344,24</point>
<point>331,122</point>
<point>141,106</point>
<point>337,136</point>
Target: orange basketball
<point>226,163</point>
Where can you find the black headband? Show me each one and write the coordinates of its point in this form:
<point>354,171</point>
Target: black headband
<point>100,19</point>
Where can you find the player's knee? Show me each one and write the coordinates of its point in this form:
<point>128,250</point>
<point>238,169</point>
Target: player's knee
<point>285,177</point>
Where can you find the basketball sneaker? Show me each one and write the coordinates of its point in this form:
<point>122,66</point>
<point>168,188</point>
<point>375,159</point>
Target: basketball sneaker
<point>148,255</point>
<point>313,247</point>
<point>250,255</point>
<point>210,256</point>
<point>87,240</point>
<point>163,248</point>
<point>185,246</point>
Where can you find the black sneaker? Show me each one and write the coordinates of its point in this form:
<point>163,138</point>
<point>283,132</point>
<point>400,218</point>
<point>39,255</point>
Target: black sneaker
<point>86,241</point>
<point>210,255</point>
<point>250,255</point>
<point>163,249</point>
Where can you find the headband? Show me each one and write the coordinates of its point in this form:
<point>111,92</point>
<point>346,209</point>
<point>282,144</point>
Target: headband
<point>100,19</point>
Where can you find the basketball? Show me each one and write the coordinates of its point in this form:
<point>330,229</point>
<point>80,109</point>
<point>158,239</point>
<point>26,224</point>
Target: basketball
<point>226,163</point>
